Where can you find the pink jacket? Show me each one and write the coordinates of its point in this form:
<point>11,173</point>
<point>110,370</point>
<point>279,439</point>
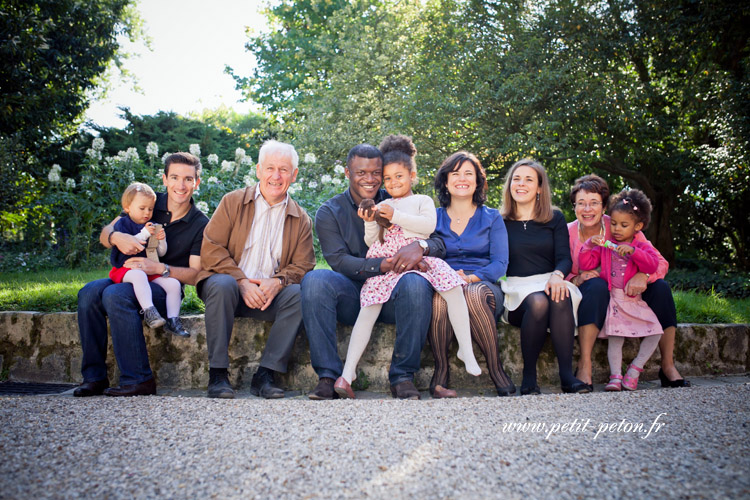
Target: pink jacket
<point>576,244</point>
<point>644,259</point>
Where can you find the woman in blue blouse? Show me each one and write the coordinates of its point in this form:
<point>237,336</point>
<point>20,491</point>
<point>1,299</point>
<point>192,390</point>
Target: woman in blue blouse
<point>476,245</point>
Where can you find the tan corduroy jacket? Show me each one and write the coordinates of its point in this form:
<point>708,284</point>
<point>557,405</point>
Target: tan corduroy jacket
<point>226,233</point>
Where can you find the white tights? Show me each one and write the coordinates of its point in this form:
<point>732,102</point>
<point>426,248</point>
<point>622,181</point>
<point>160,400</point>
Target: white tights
<point>614,352</point>
<point>142,290</point>
<point>458,314</point>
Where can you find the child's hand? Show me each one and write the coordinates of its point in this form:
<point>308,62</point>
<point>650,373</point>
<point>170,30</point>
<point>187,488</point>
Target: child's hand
<point>161,234</point>
<point>385,210</point>
<point>624,249</point>
<point>368,215</point>
<point>150,228</point>
<point>463,275</point>
<point>597,240</point>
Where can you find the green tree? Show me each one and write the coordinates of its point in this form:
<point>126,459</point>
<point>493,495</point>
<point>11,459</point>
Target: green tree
<point>650,94</point>
<point>53,54</point>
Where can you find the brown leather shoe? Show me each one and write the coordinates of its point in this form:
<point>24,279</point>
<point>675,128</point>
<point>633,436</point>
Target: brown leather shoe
<point>440,392</point>
<point>147,388</point>
<point>405,390</point>
<point>324,390</point>
<point>88,389</point>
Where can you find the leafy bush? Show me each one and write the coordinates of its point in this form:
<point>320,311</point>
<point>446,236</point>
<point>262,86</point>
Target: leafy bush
<point>711,280</point>
<point>72,210</point>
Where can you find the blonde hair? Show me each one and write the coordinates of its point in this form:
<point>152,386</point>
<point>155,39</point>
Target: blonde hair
<point>136,188</point>
<point>543,209</point>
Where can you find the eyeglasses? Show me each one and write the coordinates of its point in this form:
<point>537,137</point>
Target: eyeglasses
<point>591,204</point>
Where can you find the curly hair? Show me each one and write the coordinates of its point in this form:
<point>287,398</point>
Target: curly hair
<point>633,202</point>
<point>590,183</point>
<point>399,149</point>
<point>453,163</point>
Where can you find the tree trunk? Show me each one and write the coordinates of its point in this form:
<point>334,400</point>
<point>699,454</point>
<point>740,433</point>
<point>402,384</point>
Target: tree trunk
<point>659,231</point>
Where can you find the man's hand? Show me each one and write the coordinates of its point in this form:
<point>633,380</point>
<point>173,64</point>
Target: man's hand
<point>637,284</point>
<point>251,294</point>
<point>126,243</point>
<point>407,258</point>
<point>269,288</point>
<point>148,266</point>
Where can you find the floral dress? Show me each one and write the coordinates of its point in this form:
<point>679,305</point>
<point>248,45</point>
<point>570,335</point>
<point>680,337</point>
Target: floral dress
<point>378,289</point>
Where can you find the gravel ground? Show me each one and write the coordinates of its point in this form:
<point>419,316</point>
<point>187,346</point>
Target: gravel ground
<point>694,443</point>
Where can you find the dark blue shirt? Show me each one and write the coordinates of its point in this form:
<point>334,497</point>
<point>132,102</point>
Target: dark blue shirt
<point>341,233</point>
<point>482,249</point>
<point>184,236</point>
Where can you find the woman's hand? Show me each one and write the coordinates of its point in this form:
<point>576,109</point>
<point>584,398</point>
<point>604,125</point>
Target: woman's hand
<point>623,249</point>
<point>367,215</point>
<point>597,240</point>
<point>385,210</point>
<point>585,276</point>
<point>556,288</point>
<point>637,284</point>
<point>471,278</point>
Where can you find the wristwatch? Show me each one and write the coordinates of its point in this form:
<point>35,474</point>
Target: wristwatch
<point>165,274</point>
<point>424,245</point>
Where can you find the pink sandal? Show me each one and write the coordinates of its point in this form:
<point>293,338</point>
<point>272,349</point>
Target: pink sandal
<point>631,383</point>
<point>615,384</point>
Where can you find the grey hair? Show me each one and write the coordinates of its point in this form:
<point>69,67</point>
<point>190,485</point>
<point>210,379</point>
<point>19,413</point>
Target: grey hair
<point>275,147</point>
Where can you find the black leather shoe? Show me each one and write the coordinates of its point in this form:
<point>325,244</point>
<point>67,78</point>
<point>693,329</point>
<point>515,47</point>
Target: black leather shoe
<point>506,391</point>
<point>147,388</point>
<point>405,390</point>
<point>665,382</point>
<point>88,389</point>
<point>263,385</point>
<point>324,390</point>
<point>219,386</point>
<point>576,387</point>
<point>526,391</point>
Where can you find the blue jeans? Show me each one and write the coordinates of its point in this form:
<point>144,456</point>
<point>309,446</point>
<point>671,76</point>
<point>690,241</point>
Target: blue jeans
<point>100,299</point>
<point>328,297</point>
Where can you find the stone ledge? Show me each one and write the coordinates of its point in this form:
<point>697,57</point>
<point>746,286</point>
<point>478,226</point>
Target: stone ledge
<point>45,347</point>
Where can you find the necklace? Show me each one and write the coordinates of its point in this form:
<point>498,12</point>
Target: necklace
<point>580,233</point>
<point>524,222</point>
<point>457,219</point>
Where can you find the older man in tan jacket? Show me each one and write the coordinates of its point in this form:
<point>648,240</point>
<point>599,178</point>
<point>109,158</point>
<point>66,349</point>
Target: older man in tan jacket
<point>256,249</point>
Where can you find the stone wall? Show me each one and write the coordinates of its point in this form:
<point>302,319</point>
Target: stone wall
<point>45,347</point>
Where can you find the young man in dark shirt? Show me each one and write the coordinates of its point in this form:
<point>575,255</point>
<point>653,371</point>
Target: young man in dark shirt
<point>183,224</point>
<point>331,296</point>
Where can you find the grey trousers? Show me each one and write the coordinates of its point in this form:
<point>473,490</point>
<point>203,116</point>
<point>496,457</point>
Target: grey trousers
<point>221,295</point>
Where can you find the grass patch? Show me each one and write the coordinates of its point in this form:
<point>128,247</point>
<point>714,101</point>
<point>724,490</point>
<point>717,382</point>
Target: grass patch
<point>57,290</point>
<point>710,307</point>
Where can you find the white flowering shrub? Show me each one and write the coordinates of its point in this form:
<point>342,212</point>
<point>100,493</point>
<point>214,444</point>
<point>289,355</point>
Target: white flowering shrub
<point>77,205</point>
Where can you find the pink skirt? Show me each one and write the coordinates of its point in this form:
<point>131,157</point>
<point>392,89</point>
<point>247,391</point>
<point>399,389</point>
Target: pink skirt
<point>378,289</point>
<point>629,317</point>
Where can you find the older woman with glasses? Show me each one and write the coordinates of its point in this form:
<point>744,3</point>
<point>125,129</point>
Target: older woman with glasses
<point>589,196</point>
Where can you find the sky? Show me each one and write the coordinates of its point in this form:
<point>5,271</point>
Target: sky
<point>192,40</point>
